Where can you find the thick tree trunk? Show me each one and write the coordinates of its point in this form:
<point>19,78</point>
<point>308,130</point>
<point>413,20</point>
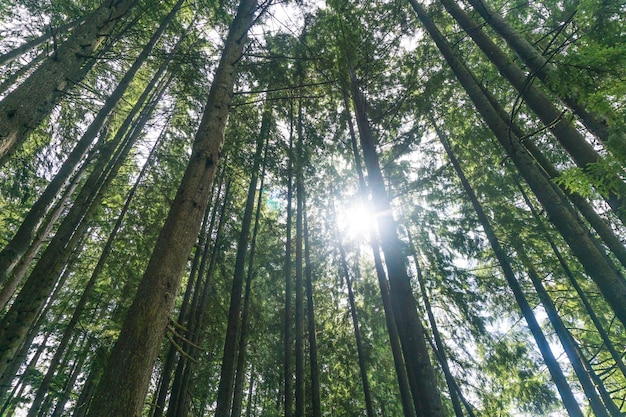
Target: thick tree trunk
<point>419,368</point>
<point>125,382</point>
<point>597,264</point>
<point>18,245</point>
<point>45,88</point>
<point>553,366</point>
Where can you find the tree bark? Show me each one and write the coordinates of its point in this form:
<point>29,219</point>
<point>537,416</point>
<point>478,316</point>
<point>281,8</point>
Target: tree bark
<point>597,264</point>
<point>288,385</point>
<point>599,124</point>
<point>227,375</point>
<point>29,302</point>
<point>383,284</point>
<point>46,87</point>
<point>568,136</point>
<point>125,381</point>
<point>18,245</point>
<point>419,368</point>
<point>245,319</point>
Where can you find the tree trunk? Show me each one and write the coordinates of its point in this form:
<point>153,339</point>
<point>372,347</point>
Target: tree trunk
<point>419,368</point>
<point>56,76</point>
<point>18,245</point>
<point>597,265</point>
<point>568,136</point>
<point>50,33</point>
<point>571,348</point>
<point>440,348</point>
<point>42,279</point>
<point>598,124</point>
<point>227,375</point>
<point>369,409</point>
<point>299,283</point>
<point>245,319</point>
<point>316,407</point>
<point>617,358</point>
<point>288,386</point>
<point>125,382</point>
<point>553,366</point>
<point>90,286</point>
<point>383,284</point>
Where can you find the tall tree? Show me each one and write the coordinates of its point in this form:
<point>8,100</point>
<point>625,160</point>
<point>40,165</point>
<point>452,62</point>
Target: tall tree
<point>125,381</point>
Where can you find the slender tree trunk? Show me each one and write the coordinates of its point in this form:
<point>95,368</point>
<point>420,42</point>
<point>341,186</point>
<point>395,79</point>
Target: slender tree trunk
<point>597,265</point>
<point>245,319</point>
<point>31,299</point>
<point>56,76</point>
<point>90,286</point>
<point>299,282</point>
<point>617,358</point>
<point>96,368</point>
<point>568,136</point>
<point>227,376</point>
<point>604,231</point>
<point>50,33</point>
<point>392,329</point>
<point>288,290</point>
<point>571,348</point>
<point>419,368</point>
<point>20,270</point>
<point>70,381</point>
<point>316,409</point>
<point>439,346</point>
<point>369,409</point>
<point>9,80</point>
<point>553,366</point>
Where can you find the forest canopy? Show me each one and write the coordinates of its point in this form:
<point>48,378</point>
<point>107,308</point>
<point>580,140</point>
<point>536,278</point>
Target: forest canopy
<point>312,208</point>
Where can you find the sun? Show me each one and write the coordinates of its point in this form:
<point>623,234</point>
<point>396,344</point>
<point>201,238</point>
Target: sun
<point>356,221</point>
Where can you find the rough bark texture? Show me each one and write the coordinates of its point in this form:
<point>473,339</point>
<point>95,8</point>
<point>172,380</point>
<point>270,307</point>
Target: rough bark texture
<point>125,382</point>
<point>26,107</point>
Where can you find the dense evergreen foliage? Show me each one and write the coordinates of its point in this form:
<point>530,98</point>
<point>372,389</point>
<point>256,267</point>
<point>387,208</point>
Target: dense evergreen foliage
<point>309,208</point>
